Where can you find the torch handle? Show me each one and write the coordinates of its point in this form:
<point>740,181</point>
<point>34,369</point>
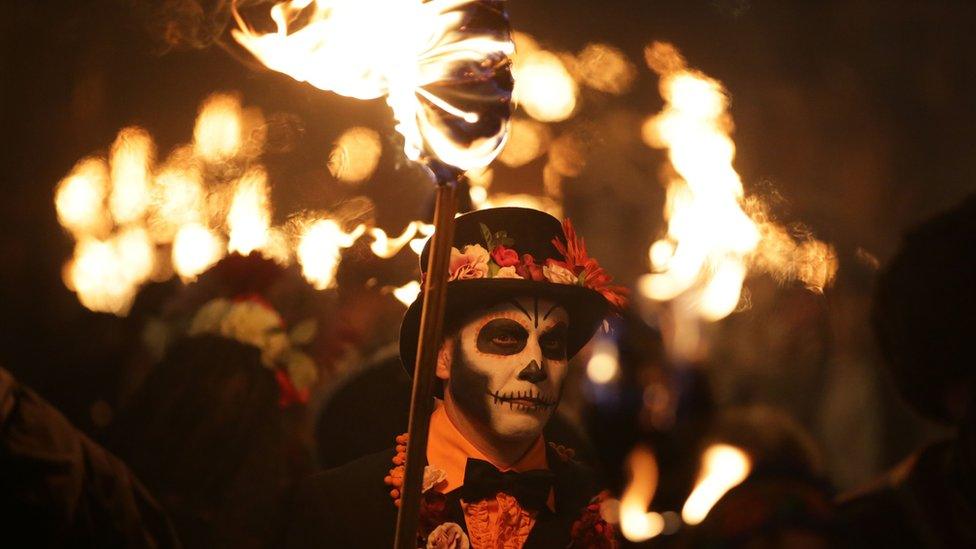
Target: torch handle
<point>422,397</point>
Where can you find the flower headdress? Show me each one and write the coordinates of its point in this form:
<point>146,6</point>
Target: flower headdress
<point>252,321</point>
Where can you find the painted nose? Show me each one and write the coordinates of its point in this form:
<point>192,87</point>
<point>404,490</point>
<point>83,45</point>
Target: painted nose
<point>533,373</point>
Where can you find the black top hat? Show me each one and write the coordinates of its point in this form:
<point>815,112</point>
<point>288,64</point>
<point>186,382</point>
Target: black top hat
<point>502,253</point>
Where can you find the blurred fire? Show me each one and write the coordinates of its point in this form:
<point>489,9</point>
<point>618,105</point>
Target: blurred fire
<point>249,218</point>
<point>218,132</point>
<point>319,248</point>
<point>407,293</point>
<point>544,88</point>
<point>356,155</point>
<point>131,168</point>
<point>636,523</point>
<point>80,199</point>
<point>195,249</point>
<point>604,363</point>
<point>715,235</point>
<point>132,220</point>
<point>723,467</point>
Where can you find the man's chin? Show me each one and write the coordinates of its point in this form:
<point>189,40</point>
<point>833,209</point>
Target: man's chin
<point>520,425</point>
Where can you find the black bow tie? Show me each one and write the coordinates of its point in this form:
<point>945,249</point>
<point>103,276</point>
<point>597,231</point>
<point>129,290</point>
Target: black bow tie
<point>482,481</point>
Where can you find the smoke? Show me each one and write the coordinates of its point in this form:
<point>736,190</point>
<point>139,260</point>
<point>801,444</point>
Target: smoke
<point>186,24</point>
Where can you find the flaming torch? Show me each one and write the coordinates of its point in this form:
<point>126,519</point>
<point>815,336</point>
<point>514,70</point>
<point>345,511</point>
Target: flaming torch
<point>444,67</point>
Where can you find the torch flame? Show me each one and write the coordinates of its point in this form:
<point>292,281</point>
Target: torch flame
<point>636,523</point>
<point>723,468</point>
<point>715,234</point>
<point>400,49</point>
<point>106,273</point>
<point>249,218</point>
<point>319,251</point>
<point>356,155</point>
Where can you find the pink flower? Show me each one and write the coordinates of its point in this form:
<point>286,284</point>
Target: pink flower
<point>505,257</point>
<point>529,270</point>
<point>470,262</point>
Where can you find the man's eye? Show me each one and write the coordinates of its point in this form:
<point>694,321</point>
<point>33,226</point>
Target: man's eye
<point>505,340</point>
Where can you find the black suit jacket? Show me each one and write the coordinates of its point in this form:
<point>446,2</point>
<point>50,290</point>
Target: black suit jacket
<point>350,506</point>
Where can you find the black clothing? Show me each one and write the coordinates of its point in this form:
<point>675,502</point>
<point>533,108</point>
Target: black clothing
<point>350,506</point>
<point>59,488</point>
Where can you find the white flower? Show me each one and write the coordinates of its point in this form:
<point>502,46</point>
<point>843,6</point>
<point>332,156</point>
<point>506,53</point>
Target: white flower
<point>559,274</point>
<point>432,477</point>
<point>448,536</point>
<point>507,272</point>
<point>254,324</point>
<point>207,320</point>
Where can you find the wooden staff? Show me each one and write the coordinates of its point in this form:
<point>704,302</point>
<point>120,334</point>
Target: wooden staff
<point>422,396</point>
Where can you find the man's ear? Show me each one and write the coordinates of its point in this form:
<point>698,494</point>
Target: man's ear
<point>444,357</point>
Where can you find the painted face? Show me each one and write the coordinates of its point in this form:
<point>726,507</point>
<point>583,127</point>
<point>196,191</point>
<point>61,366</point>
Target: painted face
<point>508,366</point>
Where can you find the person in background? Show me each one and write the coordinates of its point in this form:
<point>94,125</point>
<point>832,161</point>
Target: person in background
<point>60,489</point>
<point>216,430</point>
<point>924,312</point>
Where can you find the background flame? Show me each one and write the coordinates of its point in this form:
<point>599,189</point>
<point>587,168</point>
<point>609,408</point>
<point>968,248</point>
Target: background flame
<point>715,234</point>
<point>723,468</point>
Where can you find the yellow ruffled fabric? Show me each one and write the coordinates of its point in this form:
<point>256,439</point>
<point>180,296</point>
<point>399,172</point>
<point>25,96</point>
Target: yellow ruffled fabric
<point>498,523</point>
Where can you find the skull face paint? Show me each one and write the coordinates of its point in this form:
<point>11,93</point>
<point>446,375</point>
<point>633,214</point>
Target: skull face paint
<point>508,366</point>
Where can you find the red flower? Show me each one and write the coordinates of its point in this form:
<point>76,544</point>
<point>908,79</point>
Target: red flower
<point>504,257</point>
<point>529,270</point>
<point>591,274</point>
<point>288,393</point>
<point>590,530</point>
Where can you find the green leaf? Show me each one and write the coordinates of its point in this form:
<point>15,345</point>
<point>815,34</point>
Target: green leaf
<point>502,239</point>
<point>486,234</point>
<point>493,269</point>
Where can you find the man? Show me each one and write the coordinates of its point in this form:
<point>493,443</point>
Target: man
<point>523,298</point>
<point>923,315</point>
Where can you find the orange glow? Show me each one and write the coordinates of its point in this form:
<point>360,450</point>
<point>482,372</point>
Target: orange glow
<point>368,49</point>
<point>543,86</point>
<point>218,132</point>
<point>636,523</point>
<point>80,199</point>
<point>384,247</point>
<point>527,141</point>
<point>424,232</point>
<point>605,68</point>
<point>178,198</point>
<point>195,249</point>
<point>249,218</point>
<point>356,155</point>
<point>499,200</point>
<point>604,364</point>
<point>131,167</point>
<point>319,251</point>
<point>723,467</point>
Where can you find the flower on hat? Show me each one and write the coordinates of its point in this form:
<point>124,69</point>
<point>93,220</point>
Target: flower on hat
<point>558,274</point>
<point>468,263</point>
<point>588,271</point>
<point>504,257</point>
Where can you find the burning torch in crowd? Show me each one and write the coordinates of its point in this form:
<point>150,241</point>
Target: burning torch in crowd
<point>444,67</point>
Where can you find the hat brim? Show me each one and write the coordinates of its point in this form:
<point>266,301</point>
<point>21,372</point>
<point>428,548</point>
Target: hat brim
<point>586,309</point>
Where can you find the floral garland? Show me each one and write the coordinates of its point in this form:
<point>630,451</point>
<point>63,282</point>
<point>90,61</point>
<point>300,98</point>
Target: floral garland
<point>502,261</point>
<point>252,321</point>
<point>588,531</point>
